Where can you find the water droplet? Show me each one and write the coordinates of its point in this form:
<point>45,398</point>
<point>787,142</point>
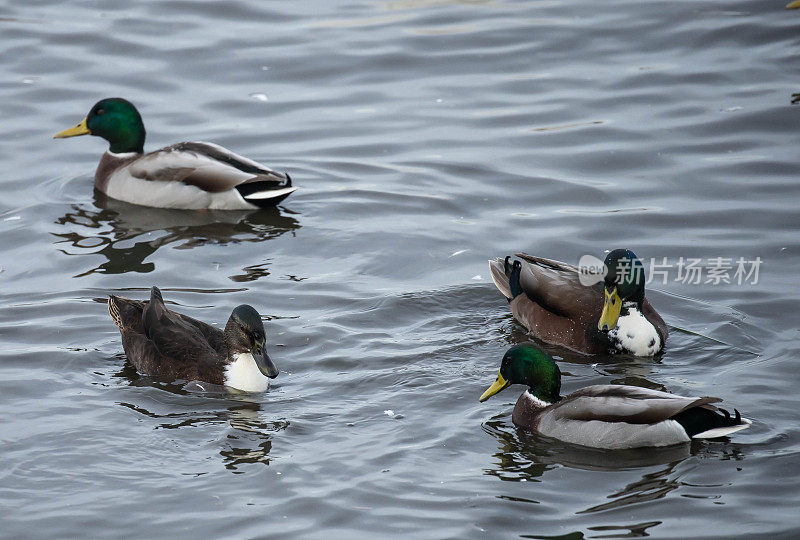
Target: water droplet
<point>259,97</point>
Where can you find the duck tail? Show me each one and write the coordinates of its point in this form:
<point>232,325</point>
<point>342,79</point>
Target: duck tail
<point>266,193</point>
<point>153,311</point>
<point>155,295</point>
<point>506,276</point>
<point>499,277</point>
<point>707,422</point>
<point>125,313</point>
<point>114,311</point>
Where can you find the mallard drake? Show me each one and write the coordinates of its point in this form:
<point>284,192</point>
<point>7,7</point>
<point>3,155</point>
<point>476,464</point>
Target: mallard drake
<point>604,415</point>
<point>165,344</point>
<point>548,298</point>
<point>187,175</point>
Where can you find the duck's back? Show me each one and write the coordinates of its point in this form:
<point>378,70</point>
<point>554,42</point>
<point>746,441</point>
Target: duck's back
<point>165,344</point>
<point>555,306</point>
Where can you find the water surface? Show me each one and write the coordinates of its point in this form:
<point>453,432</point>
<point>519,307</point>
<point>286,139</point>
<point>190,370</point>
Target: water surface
<point>426,136</point>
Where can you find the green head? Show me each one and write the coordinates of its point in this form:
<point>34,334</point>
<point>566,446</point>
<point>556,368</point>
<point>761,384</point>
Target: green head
<point>529,365</point>
<point>624,282</point>
<point>117,121</point>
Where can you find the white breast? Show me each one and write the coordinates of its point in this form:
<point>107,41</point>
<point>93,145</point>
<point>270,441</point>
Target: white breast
<point>636,335</point>
<point>243,374</point>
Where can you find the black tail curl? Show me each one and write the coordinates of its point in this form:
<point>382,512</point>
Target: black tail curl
<point>512,271</point>
<point>699,419</point>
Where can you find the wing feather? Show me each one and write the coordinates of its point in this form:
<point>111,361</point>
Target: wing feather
<point>629,404</point>
<point>170,333</point>
<point>207,166</point>
<point>556,287</point>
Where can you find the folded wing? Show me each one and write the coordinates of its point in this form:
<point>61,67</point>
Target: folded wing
<point>629,404</point>
<point>207,166</point>
<point>172,335</point>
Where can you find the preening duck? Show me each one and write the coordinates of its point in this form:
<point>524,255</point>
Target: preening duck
<point>612,316</point>
<point>187,175</point>
<point>606,416</point>
<point>167,345</point>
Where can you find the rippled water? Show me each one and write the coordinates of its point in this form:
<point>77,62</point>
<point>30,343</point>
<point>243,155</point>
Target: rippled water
<point>426,136</point>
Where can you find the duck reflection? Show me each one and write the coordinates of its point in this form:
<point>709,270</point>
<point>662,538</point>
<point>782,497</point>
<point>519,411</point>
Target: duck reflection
<point>527,455</point>
<point>651,486</point>
<point>248,438</point>
<point>247,441</point>
<point>637,530</point>
<point>127,234</point>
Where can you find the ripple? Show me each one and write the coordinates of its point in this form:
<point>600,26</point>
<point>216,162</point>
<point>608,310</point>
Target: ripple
<point>427,136</point>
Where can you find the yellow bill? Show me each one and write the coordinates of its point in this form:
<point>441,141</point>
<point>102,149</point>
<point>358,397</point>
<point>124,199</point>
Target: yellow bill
<point>498,385</point>
<point>80,129</point>
<point>793,5</point>
<point>611,308</point>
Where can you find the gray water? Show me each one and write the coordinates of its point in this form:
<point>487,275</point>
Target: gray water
<point>426,136</point>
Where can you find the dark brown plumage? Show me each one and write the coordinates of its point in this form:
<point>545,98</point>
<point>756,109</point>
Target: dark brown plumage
<point>557,309</point>
<point>180,347</point>
<point>168,345</point>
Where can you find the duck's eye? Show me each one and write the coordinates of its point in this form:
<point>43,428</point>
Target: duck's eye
<point>100,112</point>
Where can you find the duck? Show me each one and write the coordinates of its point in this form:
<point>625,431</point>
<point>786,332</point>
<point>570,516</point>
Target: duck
<point>561,306</point>
<point>168,345</point>
<point>606,416</point>
<point>186,175</point>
